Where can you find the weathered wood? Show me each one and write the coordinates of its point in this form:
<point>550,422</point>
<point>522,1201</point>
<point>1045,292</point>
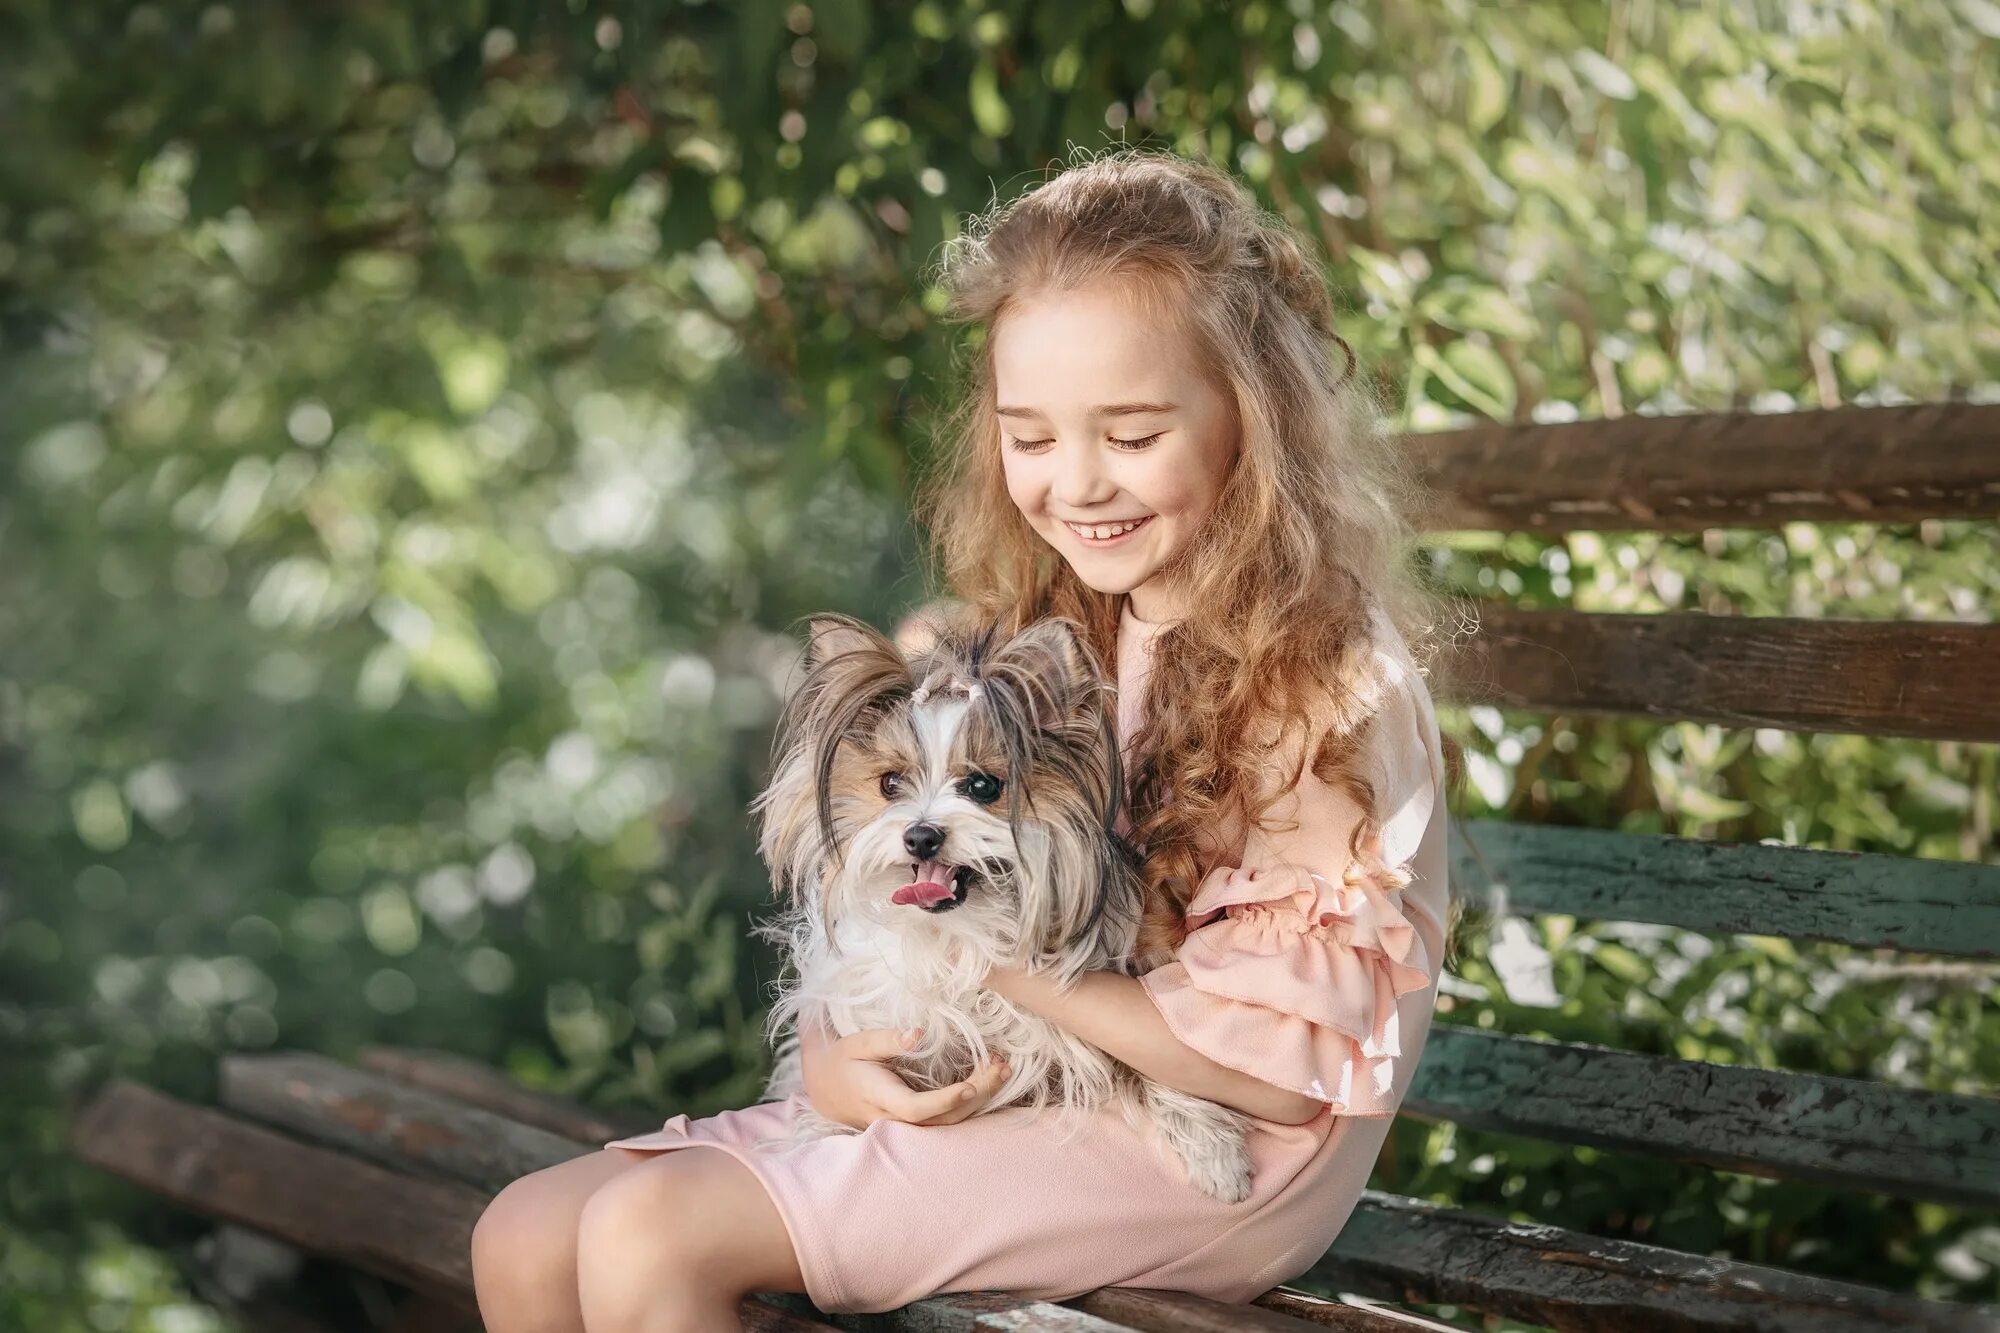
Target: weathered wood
<point>1406,1249</point>
<point>389,1123</point>
<point>1725,469</point>
<point>1932,681</point>
<point>477,1084</point>
<point>416,1232</point>
<point>1277,1311</point>
<point>1341,1314</point>
<point>1869,899</point>
<point>413,1231</point>
<point>1844,1132</point>
<point>433,1314</point>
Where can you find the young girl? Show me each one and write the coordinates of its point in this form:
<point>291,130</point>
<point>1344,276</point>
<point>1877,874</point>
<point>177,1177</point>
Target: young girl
<point>1160,443</point>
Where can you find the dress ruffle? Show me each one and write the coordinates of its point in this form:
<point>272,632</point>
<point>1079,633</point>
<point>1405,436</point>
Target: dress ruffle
<point>1292,975</point>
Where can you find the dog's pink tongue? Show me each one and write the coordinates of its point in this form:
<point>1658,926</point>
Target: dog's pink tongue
<point>929,887</point>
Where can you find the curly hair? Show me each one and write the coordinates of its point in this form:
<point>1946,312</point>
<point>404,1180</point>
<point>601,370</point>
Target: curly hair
<point>1311,527</point>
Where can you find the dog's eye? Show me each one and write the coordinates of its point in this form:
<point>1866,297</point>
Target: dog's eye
<point>892,782</point>
<point>982,787</point>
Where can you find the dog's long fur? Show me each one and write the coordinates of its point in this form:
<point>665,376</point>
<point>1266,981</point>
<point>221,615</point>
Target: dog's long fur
<point>1052,887</point>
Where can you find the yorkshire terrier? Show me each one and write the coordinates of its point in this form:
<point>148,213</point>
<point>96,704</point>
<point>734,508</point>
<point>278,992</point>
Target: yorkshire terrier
<point>934,814</point>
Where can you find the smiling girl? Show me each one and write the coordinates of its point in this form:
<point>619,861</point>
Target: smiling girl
<point>1162,440</point>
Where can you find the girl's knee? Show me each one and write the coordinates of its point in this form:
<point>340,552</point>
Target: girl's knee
<point>646,1219</point>
<point>501,1232</point>
<point>524,1241</point>
<point>691,1229</point>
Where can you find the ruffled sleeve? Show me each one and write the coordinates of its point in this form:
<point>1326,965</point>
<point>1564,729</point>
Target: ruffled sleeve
<point>1296,958</point>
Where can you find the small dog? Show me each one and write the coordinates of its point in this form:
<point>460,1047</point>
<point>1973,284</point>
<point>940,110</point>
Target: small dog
<point>932,816</point>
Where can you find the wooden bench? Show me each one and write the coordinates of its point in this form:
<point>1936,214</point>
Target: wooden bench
<point>386,1165</point>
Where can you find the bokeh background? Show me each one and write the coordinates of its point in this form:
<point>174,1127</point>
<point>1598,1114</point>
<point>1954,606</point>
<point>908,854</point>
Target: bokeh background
<point>421,427</point>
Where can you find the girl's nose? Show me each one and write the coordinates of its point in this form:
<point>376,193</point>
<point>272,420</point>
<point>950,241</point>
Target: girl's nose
<point>1079,479</point>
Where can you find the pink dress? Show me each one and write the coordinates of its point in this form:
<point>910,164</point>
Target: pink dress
<point>1304,968</point>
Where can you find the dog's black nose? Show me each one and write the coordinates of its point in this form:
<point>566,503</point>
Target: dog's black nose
<point>923,840</point>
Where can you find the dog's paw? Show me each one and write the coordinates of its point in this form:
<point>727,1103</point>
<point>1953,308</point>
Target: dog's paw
<point>1223,1173</point>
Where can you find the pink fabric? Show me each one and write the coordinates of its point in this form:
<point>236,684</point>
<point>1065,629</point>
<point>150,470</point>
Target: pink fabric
<point>1307,966</point>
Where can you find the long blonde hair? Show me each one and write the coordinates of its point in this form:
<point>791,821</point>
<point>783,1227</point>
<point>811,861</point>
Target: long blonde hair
<point>1312,525</point>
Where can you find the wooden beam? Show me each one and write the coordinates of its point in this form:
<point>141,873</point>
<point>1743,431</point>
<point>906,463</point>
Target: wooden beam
<point>1724,469</point>
<point>1844,1132</point>
<point>1277,1311</point>
<point>385,1122</point>
<point>476,1084</point>
<point>416,1232</point>
<point>1932,681</point>
<point>1409,1250</point>
<point>1874,900</point>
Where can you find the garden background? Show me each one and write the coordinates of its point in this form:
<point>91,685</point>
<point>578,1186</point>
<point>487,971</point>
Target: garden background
<point>420,427</point>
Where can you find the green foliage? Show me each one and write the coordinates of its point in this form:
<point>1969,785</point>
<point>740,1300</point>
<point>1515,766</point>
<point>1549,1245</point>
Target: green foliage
<point>422,424</point>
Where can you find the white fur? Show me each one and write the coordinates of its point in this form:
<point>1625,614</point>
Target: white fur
<point>862,961</point>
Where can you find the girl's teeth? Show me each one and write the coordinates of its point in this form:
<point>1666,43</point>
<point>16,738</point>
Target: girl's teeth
<point>1105,531</point>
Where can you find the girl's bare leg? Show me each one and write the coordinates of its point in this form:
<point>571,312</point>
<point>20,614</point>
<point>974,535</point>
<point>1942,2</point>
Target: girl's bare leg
<point>676,1243</point>
<point>524,1246</point>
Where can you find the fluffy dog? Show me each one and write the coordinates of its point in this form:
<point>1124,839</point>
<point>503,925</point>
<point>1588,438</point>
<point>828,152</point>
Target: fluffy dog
<point>934,815</point>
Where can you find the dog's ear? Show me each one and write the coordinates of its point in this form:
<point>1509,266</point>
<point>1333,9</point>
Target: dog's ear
<point>830,635</point>
<point>1057,643</point>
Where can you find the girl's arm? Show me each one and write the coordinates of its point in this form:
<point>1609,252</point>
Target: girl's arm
<point>1113,1013</point>
<point>1228,1020</point>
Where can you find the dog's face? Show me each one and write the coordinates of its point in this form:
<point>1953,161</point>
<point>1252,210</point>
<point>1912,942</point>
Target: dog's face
<point>969,788</point>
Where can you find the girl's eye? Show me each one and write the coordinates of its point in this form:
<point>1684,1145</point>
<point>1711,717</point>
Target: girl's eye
<point>891,781</point>
<point>983,788</point>
<point>1035,446</point>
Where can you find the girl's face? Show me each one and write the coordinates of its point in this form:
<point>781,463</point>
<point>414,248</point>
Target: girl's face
<point>1107,422</point>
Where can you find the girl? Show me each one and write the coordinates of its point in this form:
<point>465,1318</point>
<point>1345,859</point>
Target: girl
<point>1158,444</point>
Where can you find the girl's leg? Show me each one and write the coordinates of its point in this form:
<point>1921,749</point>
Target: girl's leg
<point>524,1246</point>
<point>677,1242</point>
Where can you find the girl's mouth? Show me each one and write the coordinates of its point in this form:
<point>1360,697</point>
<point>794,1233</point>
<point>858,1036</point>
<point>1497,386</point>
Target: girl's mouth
<point>1119,533</point>
<point>935,886</point>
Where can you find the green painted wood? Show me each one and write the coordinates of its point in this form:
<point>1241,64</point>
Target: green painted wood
<point>1862,898</point>
<point>1409,1250</point>
<point>1844,1132</point>
<point>1926,679</point>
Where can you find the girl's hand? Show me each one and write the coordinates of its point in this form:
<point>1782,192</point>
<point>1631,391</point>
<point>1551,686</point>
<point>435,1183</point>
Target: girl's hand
<point>848,1082</point>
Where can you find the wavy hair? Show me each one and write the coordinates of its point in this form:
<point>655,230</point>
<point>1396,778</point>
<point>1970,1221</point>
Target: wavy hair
<point>1312,525</point>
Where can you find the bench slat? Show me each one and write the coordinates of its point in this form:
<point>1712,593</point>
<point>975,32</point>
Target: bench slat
<point>381,1121</point>
<point>1869,899</point>
<point>1844,1132</point>
<point>311,1197</point>
<point>1721,469</point>
<point>1926,680</point>
<point>481,1085</point>
<point>1406,1249</point>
